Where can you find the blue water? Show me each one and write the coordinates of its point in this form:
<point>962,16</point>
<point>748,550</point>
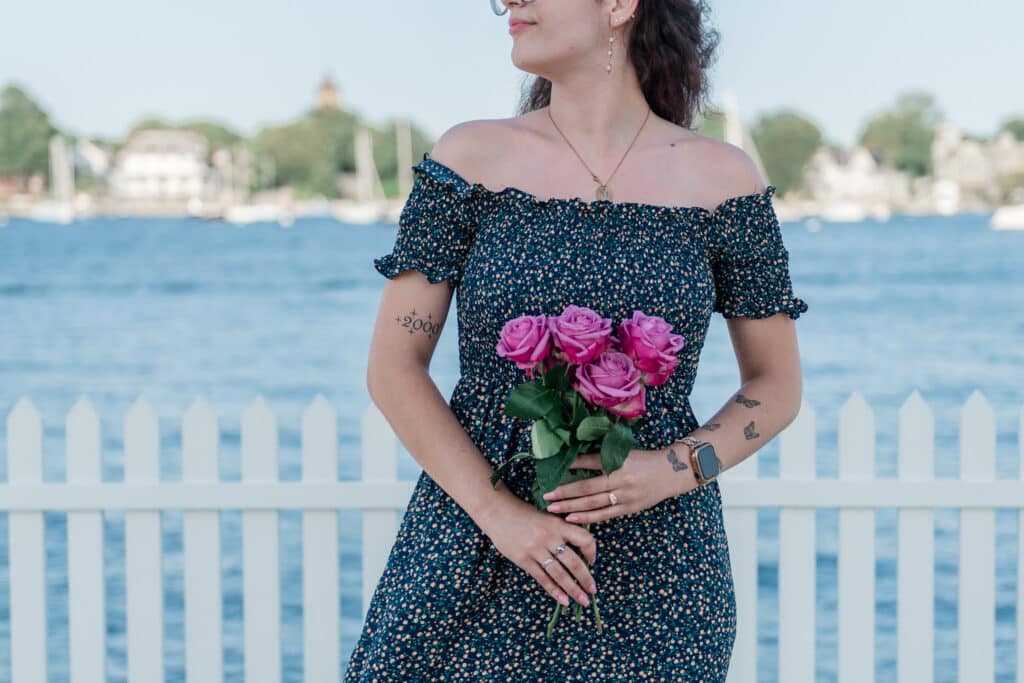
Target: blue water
<point>113,309</point>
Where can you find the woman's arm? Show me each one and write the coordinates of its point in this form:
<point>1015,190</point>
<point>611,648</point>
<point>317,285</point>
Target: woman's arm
<point>400,385</point>
<point>767,401</point>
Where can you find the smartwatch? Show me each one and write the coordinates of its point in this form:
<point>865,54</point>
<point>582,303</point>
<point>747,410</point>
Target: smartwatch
<point>705,462</point>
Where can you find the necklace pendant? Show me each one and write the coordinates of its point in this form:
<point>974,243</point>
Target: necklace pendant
<point>603,192</point>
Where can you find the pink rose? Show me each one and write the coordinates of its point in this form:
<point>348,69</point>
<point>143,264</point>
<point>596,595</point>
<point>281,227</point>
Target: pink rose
<point>580,333</point>
<point>526,341</point>
<point>612,381</point>
<point>649,341</point>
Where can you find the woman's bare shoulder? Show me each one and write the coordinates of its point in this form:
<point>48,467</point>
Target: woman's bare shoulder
<point>729,170</point>
<point>470,148</point>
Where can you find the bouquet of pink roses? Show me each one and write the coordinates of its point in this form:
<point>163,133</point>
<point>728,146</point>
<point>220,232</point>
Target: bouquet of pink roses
<point>590,394</point>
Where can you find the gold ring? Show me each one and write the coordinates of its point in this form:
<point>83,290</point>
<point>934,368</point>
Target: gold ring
<point>612,498</point>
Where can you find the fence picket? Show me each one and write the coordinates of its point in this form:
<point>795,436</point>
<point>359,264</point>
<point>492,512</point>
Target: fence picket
<point>143,550</point>
<point>797,556</point>
<point>86,602</point>
<point>261,598</point>
<point>25,547</point>
<point>856,559</point>
<point>977,590</point>
<point>915,561</point>
<point>200,437</point>
<point>320,593</point>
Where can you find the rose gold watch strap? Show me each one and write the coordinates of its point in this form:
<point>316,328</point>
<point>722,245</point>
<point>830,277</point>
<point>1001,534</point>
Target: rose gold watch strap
<point>697,475</point>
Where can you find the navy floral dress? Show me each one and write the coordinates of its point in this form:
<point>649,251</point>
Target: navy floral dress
<point>449,606</point>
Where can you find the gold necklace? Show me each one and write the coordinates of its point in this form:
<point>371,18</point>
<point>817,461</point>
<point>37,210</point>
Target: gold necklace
<point>603,191</point>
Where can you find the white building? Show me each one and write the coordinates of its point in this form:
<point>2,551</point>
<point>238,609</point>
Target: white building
<point>982,170</point>
<point>834,175</point>
<point>161,165</point>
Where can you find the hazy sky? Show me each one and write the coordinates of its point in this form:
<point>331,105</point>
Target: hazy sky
<point>98,66</point>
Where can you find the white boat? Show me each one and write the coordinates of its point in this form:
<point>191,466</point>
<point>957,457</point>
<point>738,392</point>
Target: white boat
<point>1010,217</point>
<point>60,208</point>
<point>843,212</point>
<point>52,211</point>
<point>370,205</point>
<point>244,214</point>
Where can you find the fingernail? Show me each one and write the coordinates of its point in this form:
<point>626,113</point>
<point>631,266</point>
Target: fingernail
<point>564,599</point>
<point>554,507</point>
<point>584,599</point>
<point>549,495</point>
<point>593,587</point>
<point>570,518</point>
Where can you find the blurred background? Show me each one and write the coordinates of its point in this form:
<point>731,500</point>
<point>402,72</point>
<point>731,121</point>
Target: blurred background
<point>191,196</point>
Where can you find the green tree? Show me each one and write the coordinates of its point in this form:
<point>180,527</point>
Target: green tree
<point>785,141</point>
<point>902,136</point>
<point>25,132</point>
<point>1015,126</point>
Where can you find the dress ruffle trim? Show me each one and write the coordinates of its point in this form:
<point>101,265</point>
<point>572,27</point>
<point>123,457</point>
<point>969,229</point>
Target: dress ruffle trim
<point>391,266</point>
<point>792,306</point>
<point>467,189</point>
<point>436,266</point>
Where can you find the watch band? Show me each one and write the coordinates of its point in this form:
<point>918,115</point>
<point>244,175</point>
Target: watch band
<point>693,443</point>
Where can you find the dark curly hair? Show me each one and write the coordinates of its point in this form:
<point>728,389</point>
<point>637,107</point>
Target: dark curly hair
<point>671,51</point>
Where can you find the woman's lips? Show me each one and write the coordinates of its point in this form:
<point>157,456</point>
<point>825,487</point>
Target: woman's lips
<point>516,26</point>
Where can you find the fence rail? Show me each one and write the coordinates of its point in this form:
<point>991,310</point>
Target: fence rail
<point>797,494</point>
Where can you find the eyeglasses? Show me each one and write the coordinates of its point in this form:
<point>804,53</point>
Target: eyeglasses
<point>500,8</point>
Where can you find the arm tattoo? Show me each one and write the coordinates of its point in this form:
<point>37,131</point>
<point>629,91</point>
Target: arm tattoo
<point>712,427</point>
<point>677,464</point>
<point>415,324</point>
<point>749,432</point>
<point>748,402</point>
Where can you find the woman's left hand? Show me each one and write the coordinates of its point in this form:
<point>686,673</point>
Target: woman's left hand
<point>645,479</point>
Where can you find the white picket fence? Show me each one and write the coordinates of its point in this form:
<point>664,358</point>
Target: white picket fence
<point>319,495</point>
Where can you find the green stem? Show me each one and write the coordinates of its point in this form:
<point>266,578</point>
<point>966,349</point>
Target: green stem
<point>553,619</point>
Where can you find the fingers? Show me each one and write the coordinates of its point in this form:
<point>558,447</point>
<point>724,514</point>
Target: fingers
<point>582,539</point>
<point>603,514</point>
<point>582,487</point>
<point>568,581</point>
<point>547,583</point>
<point>591,502</point>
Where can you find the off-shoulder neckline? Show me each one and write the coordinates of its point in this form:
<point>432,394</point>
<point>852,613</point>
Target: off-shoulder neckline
<point>510,190</point>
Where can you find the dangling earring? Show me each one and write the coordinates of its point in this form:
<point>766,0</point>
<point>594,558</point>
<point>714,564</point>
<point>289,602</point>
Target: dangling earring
<point>611,42</point>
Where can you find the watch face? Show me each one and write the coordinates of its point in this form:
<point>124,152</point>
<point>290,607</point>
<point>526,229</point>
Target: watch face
<point>708,462</point>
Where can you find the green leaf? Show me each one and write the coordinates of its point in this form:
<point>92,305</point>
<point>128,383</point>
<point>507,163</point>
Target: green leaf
<point>557,377</point>
<point>503,467</point>
<point>593,428</point>
<point>530,401</point>
<point>615,446</point>
<point>549,475</point>
<point>544,442</point>
<point>580,411</point>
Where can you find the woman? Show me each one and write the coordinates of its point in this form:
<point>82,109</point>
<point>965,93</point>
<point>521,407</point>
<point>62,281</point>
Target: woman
<point>596,194</point>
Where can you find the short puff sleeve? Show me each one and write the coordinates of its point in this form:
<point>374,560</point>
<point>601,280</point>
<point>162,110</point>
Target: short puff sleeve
<point>436,226</point>
<point>749,261</point>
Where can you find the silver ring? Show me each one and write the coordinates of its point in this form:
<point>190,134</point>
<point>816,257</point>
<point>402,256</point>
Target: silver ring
<point>612,498</point>
<point>546,562</point>
<point>560,549</point>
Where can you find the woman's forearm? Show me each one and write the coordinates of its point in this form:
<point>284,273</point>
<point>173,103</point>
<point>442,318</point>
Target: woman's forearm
<point>424,422</point>
<point>752,417</point>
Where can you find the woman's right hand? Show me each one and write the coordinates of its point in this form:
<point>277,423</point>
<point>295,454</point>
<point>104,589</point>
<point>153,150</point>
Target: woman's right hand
<point>527,536</point>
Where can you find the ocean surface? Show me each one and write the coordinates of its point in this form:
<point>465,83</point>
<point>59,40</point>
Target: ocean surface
<point>114,309</point>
